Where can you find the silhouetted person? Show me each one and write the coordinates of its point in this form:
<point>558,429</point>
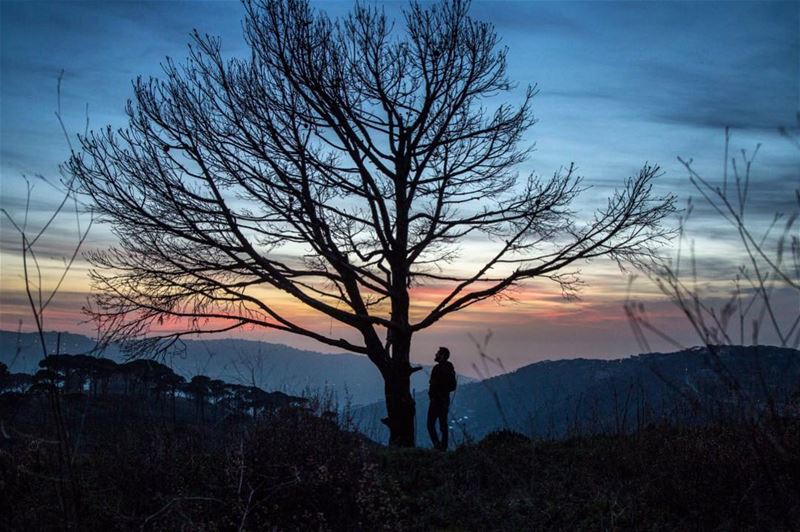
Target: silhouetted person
<point>443,381</point>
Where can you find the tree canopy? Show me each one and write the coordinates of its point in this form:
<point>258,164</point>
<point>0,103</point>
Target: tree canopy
<point>342,163</point>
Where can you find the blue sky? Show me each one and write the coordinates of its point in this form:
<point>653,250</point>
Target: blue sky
<point>621,84</point>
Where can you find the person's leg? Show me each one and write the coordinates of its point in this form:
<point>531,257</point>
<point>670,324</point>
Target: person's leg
<point>443,425</point>
<point>432,415</point>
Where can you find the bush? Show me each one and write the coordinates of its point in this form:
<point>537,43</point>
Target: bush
<point>293,470</point>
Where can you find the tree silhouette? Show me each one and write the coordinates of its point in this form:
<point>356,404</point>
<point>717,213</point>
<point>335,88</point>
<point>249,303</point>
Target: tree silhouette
<point>199,388</point>
<point>342,164</point>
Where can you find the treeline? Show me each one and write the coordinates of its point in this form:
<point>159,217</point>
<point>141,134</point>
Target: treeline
<point>87,376</point>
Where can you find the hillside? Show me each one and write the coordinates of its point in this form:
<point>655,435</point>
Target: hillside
<point>266,365</point>
<point>294,470</point>
<point>129,447</point>
<point>553,399</point>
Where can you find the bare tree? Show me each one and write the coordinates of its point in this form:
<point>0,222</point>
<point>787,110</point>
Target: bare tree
<point>43,277</point>
<point>763,302</point>
<point>767,280</point>
<point>341,164</point>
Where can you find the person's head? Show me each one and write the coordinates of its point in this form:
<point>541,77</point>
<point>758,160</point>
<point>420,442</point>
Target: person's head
<point>442,354</point>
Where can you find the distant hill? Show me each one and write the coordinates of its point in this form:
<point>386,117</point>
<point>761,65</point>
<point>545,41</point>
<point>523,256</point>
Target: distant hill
<point>266,365</point>
<point>555,398</point>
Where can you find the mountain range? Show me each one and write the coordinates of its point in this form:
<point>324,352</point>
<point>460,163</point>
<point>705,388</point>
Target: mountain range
<point>343,377</point>
<point>549,399</point>
<point>553,399</point>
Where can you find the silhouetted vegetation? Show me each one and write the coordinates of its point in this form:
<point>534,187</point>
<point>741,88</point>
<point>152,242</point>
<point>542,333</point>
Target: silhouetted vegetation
<point>157,385</point>
<point>294,469</point>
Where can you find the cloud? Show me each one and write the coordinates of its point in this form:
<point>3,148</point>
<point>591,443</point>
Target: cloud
<point>741,95</point>
<point>705,65</point>
<point>529,18</point>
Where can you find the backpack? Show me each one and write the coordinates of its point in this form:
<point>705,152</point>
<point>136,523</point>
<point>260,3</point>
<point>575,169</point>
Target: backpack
<point>451,379</point>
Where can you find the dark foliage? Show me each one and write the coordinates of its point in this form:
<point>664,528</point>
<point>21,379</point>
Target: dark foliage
<point>290,469</point>
<point>659,479</point>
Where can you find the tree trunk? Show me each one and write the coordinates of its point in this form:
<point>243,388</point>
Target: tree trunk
<point>400,405</point>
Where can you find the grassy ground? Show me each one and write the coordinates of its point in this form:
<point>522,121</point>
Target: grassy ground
<point>660,479</point>
<point>295,471</point>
